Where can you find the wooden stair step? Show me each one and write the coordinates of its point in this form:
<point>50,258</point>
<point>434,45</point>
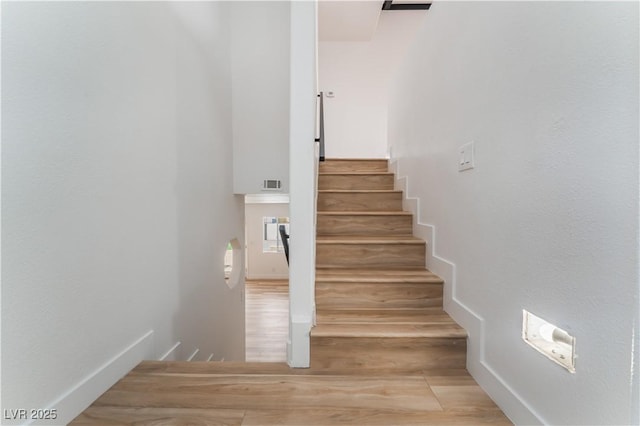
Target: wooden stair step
<point>366,239</point>
<point>377,275</point>
<point>387,353</point>
<point>353,165</point>
<point>442,331</point>
<point>374,317</point>
<point>355,180</point>
<point>364,223</point>
<point>359,200</point>
<point>380,295</point>
<point>355,251</point>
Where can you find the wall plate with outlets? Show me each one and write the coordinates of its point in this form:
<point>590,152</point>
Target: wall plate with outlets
<point>551,341</point>
<point>466,157</point>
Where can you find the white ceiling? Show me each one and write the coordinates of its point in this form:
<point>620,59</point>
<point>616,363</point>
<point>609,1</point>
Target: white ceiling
<point>348,20</point>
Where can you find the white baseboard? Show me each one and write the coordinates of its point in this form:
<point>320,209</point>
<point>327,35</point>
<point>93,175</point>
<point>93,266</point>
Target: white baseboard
<point>193,355</point>
<point>498,389</point>
<point>170,355</point>
<point>70,404</point>
<point>298,351</point>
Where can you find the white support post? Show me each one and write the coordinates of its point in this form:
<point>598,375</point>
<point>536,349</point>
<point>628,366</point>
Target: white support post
<point>302,115</point>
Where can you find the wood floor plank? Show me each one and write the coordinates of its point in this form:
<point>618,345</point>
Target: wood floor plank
<point>266,320</point>
<point>130,416</point>
<point>372,417</point>
<point>470,397</point>
<point>408,393</point>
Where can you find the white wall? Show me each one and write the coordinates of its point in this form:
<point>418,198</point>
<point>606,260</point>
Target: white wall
<point>260,77</point>
<point>263,265</point>
<point>117,203</point>
<point>359,74</point>
<point>548,219</point>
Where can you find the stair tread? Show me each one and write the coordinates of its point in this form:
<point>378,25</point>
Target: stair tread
<point>356,173</point>
<point>372,275</point>
<point>364,213</point>
<point>365,239</point>
<point>377,330</point>
<point>346,159</point>
<point>386,315</point>
<point>363,191</point>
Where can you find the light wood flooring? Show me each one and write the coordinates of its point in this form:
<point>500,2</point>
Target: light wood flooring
<point>201,393</point>
<point>266,320</point>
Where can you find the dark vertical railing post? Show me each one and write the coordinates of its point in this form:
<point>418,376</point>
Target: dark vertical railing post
<point>320,139</point>
<point>285,240</point>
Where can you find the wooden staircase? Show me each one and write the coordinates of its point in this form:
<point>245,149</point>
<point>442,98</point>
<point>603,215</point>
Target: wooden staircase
<point>383,352</point>
<point>378,308</point>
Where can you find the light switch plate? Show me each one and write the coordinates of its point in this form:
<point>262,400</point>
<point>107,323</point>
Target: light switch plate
<point>466,157</point>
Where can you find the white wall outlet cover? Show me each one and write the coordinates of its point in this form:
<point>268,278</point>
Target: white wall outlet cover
<point>466,157</point>
<point>550,340</point>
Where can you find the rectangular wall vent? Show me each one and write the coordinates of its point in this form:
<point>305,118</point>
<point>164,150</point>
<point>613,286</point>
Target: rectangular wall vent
<point>271,185</point>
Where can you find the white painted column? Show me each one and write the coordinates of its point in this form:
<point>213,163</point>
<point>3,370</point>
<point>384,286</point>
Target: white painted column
<point>302,115</point>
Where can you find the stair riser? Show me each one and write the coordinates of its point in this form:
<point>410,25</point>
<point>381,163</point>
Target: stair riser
<point>353,166</point>
<point>355,182</point>
<point>363,202</point>
<point>377,295</point>
<point>370,255</point>
<point>388,353</point>
<point>364,225</point>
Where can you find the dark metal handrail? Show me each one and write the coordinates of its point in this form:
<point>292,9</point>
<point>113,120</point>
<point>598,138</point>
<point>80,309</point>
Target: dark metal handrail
<point>321,131</point>
<point>285,240</point>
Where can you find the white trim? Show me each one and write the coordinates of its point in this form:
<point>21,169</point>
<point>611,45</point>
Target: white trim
<point>266,199</point>
<point>193,355</point>
<point>302,116</point>
<point>512,404</point>
<point>173,348</point>
<point>300,327</point>
<point>75,400</point>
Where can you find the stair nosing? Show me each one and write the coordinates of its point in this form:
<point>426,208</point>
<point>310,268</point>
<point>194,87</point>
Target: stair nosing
<point>375,191</point>
<point>364,213</point>
<point>355,173</point>
<point>330,330</point>
<point>368,275</point>
<point>356,159</point>
<point>353,240</point>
